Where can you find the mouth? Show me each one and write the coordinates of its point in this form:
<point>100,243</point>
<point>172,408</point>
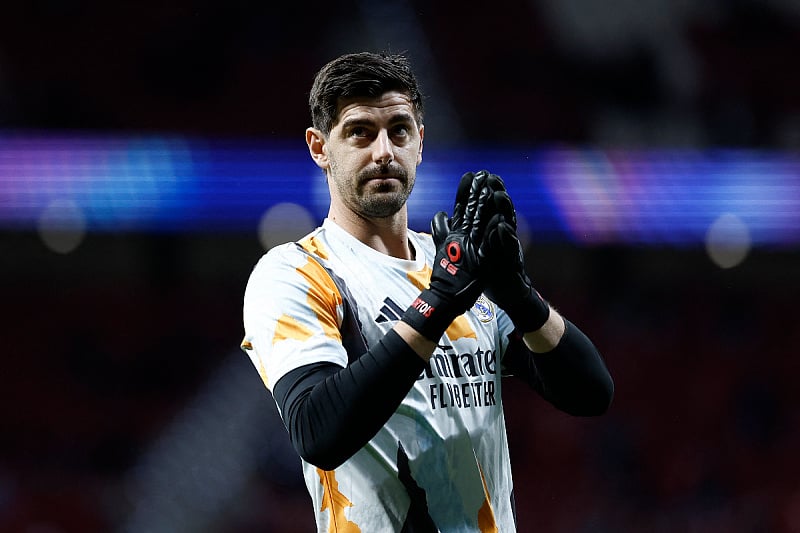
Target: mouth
<point>382,184</point>
<point>382,178</point>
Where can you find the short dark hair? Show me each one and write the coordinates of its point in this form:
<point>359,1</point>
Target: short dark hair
<point>361,74</point>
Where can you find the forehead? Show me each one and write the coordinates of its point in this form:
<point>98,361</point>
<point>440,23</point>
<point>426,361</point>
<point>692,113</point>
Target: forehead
<point>389,104</point>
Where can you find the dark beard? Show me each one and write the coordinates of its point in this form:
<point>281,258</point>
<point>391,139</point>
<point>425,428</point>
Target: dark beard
<point>384,203</point>
<point>384,206</point>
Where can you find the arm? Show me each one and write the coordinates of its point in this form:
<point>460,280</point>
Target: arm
<point>331,412</point>
<point>563,366</point>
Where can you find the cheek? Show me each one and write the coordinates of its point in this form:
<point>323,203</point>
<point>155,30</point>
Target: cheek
<point>413,153</point>
<point>342,159</point>
<point>338,173</point>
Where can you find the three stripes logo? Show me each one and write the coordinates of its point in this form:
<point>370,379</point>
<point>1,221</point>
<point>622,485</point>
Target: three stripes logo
<point>389,311</point>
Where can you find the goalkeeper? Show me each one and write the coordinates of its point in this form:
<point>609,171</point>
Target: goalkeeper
<point>383,347</point>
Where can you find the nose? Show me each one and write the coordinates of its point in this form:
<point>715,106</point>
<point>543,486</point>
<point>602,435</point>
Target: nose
<point>382,152</point>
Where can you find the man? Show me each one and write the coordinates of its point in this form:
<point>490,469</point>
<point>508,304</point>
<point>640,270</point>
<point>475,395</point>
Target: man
<point>377,343</point>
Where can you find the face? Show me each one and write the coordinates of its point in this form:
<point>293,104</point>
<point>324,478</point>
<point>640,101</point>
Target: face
<point>371,155</point>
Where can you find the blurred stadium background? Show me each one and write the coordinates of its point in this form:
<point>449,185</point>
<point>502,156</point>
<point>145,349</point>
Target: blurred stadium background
<point>150,153</point>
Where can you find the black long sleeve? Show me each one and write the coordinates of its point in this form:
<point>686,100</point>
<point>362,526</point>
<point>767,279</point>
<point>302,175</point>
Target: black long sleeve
<point>573,376</point>
<point>331,412</point>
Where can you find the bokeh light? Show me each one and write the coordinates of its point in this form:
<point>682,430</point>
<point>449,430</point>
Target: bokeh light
<point>284,222</point>
<point>62,226</point>
<point>728,241</point>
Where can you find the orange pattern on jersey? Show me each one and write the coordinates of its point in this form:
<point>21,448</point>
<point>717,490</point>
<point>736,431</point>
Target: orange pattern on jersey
<point>421,278</point>
<point>323,297</point>
<point>313,246</point>
<point>486,520</point>
<point>289,328</point>
<point>460,327</point>
<point>336,502</point>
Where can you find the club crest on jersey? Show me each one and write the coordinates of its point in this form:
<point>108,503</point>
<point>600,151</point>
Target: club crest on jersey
<point>483,309</point>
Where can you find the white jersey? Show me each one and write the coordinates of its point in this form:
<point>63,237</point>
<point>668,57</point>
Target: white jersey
<point>446,442</point>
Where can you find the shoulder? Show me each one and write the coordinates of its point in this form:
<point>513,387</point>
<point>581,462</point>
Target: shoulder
<point>287,256</point>
<point>292,271</point>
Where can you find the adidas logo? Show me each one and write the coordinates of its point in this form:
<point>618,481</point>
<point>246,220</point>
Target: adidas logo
<point>389,311</point>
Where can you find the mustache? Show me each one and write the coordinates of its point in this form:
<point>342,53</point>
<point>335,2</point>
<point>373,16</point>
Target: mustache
<point>383,171</point>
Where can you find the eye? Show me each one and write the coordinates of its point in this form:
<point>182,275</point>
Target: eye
<point>401,130</point>
<point>358,131</point>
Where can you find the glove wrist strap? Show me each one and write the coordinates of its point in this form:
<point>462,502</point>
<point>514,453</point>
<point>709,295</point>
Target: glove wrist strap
<point>530,313</point>
<point>430,314</point>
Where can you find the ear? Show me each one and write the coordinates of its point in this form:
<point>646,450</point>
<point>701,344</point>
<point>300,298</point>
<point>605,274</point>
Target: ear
<point>317,148</point>
<point>421,137</point>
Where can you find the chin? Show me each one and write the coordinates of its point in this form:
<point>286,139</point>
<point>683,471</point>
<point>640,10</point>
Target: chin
<point>384,209</point>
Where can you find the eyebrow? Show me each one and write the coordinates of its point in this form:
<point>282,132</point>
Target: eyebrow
<point>350,122</point>
<point>401,116</point>
<point>395,118</point>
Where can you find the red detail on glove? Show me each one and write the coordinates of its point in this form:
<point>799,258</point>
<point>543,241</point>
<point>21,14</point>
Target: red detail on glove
<point>448,266</point>
<point>424,308</point>
<point>454,251</point>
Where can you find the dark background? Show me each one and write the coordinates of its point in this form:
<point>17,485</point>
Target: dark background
<point>125,403</point>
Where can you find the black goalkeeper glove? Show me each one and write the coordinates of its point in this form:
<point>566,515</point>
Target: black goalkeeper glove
<point>456,280</point>
<point>507,282</point>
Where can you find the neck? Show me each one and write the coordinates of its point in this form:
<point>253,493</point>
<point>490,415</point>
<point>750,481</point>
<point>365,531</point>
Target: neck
<point>386,235</point>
